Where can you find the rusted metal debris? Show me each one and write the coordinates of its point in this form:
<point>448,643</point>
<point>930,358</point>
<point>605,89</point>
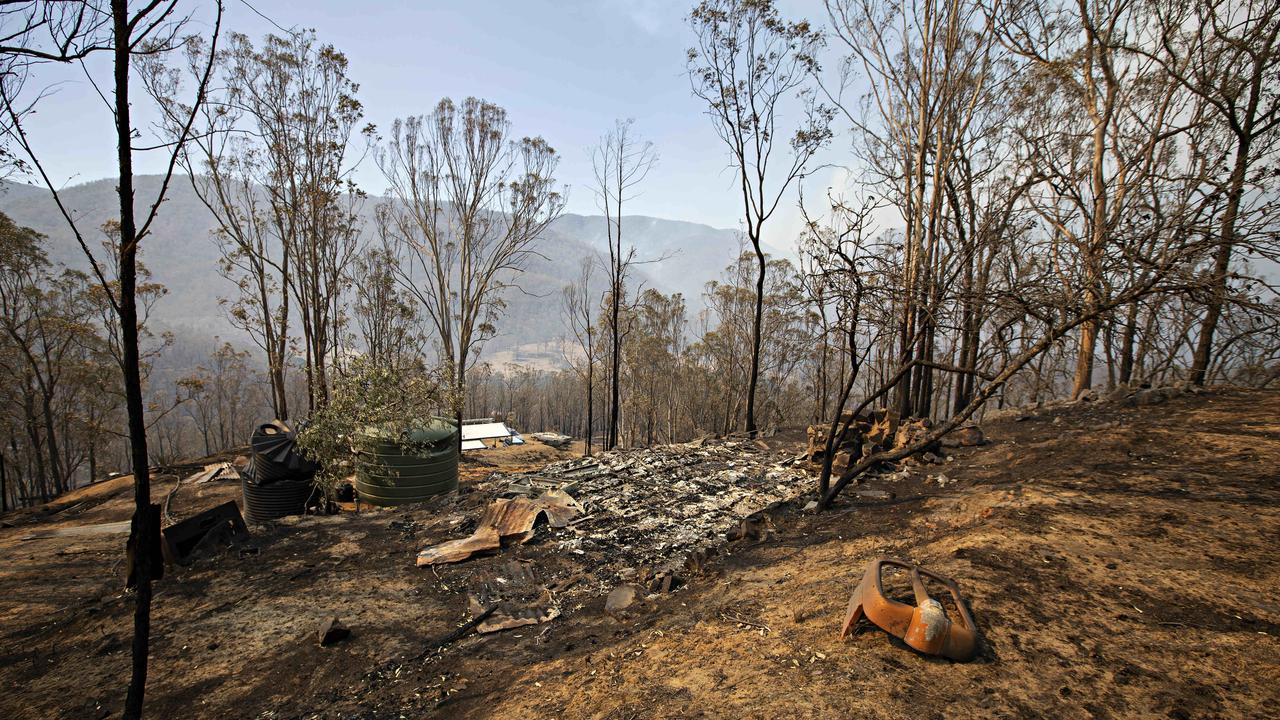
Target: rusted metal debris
<point>924,626</point>
<point>505,522</point>
<point>534,486</point>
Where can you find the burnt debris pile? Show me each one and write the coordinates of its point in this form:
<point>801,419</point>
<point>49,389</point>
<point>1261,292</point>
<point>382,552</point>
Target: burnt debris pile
<point>645,516</point>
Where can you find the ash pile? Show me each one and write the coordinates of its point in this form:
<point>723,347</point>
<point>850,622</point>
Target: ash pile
<point>654,508</point>
<point>644,515</point>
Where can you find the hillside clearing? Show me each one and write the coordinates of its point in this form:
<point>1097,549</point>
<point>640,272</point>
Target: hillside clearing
<point>1119,561</point>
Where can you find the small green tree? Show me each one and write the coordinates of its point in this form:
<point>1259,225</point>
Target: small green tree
<point>392,400</point>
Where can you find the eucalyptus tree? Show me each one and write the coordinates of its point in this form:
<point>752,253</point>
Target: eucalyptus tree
<point>271,162</point>
<point>654,367</point>
<point>928,129</point>
<point>578,304</point>
<point>386,316</point>
<point>50,350</point>
<point>466,206</point>
<point>1115,127</point>
<point>1227,54</point>
<point>751,67</point>
<point>127,35</point>
<point>621,161</point>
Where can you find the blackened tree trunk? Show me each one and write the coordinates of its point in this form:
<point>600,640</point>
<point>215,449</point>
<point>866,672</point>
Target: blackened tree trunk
<point>615,359</point>
<point>128,271</point>
<point>590,395</point>
<point>756,324</point>
<point>1127,344</point>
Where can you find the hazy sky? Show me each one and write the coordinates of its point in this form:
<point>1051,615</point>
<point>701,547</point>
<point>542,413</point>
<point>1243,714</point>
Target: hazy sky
<point>564,69</point>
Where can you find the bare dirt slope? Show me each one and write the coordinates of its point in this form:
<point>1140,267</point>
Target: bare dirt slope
<point>1120,562</point>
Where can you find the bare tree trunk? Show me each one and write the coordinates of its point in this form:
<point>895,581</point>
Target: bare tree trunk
<point>824,478</point>
<point>1108,350</point>
<point>280,395</point>
<point>756,324</point>
<point>590,398</point>
<point>1221,265</point>
<point>1127,345</point>
<point>37,445</point>
<point>309,367</point>
<point>1098,224</point>
<point>461,389</point>
<point>56,471</point>
<point>968,341</point>
<point>1084,358</point>
<point>142,527</point>
<point>616,359</point>
<point>906,332</point>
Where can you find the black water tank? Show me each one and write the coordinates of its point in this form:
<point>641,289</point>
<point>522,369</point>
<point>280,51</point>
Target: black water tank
<point>278,481</point>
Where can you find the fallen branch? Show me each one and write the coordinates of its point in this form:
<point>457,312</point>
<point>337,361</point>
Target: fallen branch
<point>825,476</point>
<point>994,383</point>
<point>748,623</point>
<point>457,633</point>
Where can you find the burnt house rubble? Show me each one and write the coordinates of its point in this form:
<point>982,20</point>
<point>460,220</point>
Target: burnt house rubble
<point>656,508</point>
<point>639,517</point>
<point>613,530</point>
<point>619,528</point>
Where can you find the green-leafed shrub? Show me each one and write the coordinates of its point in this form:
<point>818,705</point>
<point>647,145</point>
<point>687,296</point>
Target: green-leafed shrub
<point>369,400</point>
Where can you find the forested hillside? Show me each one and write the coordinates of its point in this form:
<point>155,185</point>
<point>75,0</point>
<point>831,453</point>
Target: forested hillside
<point>183,254</point>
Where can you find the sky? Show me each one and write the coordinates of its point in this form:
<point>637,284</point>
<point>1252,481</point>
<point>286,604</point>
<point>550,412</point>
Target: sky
<point>563,69</point>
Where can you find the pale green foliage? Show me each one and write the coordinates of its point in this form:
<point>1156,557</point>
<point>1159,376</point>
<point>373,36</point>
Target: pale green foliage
<point>394,400</point>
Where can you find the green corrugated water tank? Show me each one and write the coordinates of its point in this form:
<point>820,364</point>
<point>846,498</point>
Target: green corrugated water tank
<point>403,467</point>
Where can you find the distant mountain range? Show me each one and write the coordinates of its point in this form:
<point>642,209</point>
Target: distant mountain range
<point>182,255</point>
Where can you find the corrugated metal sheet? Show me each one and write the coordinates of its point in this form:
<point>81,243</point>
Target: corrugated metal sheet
<point>505,521</point>
<point>473,445</point>
<point>485,431</point>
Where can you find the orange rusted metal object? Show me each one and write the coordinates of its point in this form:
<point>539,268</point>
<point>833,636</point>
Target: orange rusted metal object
<point>504,522</point>
<point>925,626</point>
